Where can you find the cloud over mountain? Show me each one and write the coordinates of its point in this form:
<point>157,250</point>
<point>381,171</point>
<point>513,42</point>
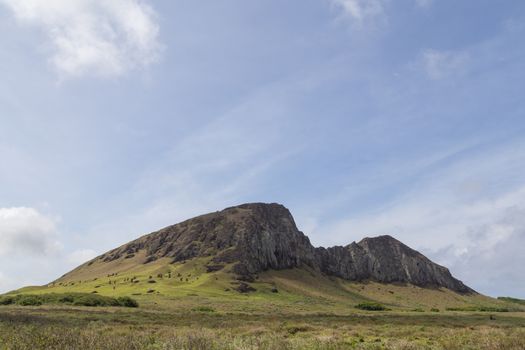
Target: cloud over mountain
<point>86,37</point>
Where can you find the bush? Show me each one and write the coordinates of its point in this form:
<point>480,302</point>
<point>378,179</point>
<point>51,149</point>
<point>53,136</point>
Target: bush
<point>370,306</point>
<point>127,302</point>
<point>203,309</point>
<point>434,310</point>
<point>294,329</point>
<point>512,300</point>
<point>492,309</point>
<point>29,300</point>
<point>95,300</point>
<point>77,299</point>
<point>479,309</point>
<point>66,299</point>
<point>7,300</point>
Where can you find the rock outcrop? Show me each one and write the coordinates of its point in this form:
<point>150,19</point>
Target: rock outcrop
<point>385,259</point>
<point>258,237</point>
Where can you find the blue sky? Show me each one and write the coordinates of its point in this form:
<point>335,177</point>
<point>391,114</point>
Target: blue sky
<point>363,117</point>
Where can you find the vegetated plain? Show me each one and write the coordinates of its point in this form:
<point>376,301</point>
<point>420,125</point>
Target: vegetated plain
<point>247,278</point>
<point>182,306</point>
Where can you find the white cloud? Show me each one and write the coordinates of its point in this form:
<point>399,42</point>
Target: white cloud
<point>466,216</point>
<point>424,3</point>
<point>436,221</point>
<point>443,64</point>
<point>104,38</point>
<point>494,253</point>
<point>361,10</point>
<point>368,11</point>
<point>25,230</point>
<point>81,256</point>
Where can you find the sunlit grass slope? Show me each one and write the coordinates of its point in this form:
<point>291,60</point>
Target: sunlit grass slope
<point>188,285</point>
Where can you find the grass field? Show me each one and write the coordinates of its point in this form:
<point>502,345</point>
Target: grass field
<point>186,284</point>
<point>181,306</point>
<point>203,328</point>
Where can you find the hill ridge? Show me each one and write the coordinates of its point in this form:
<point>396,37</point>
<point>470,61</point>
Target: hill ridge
<point>255,237</point>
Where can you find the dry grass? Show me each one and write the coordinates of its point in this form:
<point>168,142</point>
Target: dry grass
<point>109,328</point>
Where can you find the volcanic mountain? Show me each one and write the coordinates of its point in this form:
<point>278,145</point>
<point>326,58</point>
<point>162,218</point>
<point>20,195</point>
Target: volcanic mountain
<point>250,239</point>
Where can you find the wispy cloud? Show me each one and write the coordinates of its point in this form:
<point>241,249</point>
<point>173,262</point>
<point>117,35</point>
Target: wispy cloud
<point>443,64</point>
<point>365,12</point>
<point>218,164</point>
<point>88,37</point>
<point>461,214</point>
<point>497,246</point>
<point>424,3</point>
<point>361,11</point>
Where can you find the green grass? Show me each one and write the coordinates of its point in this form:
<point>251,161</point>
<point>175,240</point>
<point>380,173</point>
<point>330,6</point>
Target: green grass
<point>480,309</point>
<point>70,327</point>
<point>512,300</point>
<point>371,306</point>
<point>77,299</point>
<point>166,286</point>
<point>188,308</point>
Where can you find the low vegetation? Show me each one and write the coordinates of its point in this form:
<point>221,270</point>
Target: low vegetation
<point>190,308</point>
<point>76,299</point>
<point>68,327</point>
<point>370,306</point>
<point>512,300</point>
<point>479,309</point>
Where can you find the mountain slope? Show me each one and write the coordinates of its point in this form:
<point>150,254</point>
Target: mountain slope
<point>252,238</point>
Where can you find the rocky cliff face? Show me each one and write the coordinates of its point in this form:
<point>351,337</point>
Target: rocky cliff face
<point>387,260</point>
<point>258,237</point>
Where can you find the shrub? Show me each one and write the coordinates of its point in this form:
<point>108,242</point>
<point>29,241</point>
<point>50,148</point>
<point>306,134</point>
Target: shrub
<point>294,329</point>
<point>94,300</point>
<point>29,300</point>
<point>127,302</point>
<point>492,309</point>
<point>7,300</point>
<point>434,310</point>
<point>371,306</point>
<point>203,309</point>
<point>479,308</point>
<point>512,300</point>
<point>77,299</point>
<point>66,299</point>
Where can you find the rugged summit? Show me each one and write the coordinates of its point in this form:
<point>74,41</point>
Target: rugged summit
<point>256,237</point>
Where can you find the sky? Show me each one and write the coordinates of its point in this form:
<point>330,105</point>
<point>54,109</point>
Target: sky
<point>363,117</point>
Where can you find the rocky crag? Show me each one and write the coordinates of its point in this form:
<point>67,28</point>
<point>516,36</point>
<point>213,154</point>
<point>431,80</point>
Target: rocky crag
<point>252,238</point>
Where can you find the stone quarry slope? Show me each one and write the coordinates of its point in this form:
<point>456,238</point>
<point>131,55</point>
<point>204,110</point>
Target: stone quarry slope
<point>256,237</point>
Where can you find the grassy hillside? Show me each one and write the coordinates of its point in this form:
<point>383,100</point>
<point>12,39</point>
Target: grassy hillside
<point>188,285</point>
<point>182,306</point>
<point>512,300</point>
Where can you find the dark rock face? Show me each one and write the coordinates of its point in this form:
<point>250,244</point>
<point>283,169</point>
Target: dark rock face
<point>385,259</point>
<point>258,237</point>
